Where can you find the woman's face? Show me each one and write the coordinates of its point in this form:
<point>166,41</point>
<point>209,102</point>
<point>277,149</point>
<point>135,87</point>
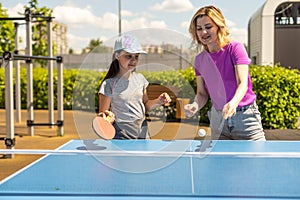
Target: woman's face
<point>128,61</point>
<point>207,31</point>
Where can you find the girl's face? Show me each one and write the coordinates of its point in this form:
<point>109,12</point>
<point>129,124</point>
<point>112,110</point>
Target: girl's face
<point>128,61</point>
<point>207,31</point>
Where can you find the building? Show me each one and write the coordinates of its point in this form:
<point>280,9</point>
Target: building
<point>60,38</point>
<point>274,34</point>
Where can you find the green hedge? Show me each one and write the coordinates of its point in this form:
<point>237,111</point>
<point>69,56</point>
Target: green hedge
<point>40,87</point>
<point>277,89</point>
<point>278,95</point>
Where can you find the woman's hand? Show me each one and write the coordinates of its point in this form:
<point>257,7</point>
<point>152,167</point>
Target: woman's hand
<point>229,110</point>
<point>191,109</point>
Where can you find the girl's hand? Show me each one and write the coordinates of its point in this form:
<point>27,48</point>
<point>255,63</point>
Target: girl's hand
<point>164,98</point>
<point>108,115</point>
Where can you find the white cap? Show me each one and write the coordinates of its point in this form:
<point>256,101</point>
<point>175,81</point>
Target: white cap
<point>129,44</point>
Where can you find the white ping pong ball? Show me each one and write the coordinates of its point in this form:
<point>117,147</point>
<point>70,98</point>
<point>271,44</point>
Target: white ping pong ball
<point>202,132</point>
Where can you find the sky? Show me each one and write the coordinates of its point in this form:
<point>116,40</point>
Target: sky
<point>98,19</point>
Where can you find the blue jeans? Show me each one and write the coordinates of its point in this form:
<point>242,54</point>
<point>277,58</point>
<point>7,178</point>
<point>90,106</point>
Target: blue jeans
<point>132,130</point>
<point>244,125</point>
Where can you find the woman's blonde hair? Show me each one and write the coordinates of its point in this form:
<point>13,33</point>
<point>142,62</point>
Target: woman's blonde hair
<point>217,17</point>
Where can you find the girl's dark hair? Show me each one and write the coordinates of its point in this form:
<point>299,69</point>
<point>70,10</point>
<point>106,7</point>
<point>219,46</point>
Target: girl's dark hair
<point>113,70</point>
<point>114,67</point>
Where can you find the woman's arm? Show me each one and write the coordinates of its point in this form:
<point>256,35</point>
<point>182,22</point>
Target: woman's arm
<point>201,93</point>
<point>241,73</point>
<point>200,99</point>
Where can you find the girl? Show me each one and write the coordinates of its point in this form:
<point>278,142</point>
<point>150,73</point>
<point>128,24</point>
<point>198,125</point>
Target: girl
<point>123,96</point>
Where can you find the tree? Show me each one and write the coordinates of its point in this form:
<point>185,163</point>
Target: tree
<point>96,46</point>
<point>94,43</point>
<point>6,32</point>
<point>71,51</point>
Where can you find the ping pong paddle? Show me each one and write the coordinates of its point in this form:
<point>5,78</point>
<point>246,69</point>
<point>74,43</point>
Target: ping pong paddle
<point>103,128</point>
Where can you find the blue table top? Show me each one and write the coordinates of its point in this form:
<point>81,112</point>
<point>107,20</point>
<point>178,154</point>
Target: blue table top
<point>139,175</point>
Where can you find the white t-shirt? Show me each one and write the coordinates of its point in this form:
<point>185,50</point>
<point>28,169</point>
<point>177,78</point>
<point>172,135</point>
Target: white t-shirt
<point>126,96</point>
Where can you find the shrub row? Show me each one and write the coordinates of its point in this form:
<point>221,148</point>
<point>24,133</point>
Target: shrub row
<point>277,89</point>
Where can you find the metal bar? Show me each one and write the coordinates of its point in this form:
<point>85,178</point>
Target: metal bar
<point>42,16</point>
<point>9,104</point>
<point>18,76</point>
<point>30,57</point>
<point>60,94</point>
<point>31,123</point>
<point>30,116</point>
<point>12,18</point>
<point>50,76</point>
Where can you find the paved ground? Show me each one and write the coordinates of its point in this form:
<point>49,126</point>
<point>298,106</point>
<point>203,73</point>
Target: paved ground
<point>46,138</point>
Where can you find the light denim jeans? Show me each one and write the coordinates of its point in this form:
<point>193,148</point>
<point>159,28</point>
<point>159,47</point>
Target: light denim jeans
<point>244,125</point>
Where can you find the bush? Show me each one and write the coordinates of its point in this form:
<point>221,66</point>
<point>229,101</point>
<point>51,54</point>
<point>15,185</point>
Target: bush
<point>85,90</point>
<point>189,75</point>
<point>277,90</point>
<point>40,87</point>
<point>175,79</point>
<point>278,95</point>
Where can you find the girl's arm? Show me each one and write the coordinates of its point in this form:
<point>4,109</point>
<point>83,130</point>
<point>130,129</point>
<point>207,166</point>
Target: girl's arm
<point>159,101</point>
<point>104,105</point>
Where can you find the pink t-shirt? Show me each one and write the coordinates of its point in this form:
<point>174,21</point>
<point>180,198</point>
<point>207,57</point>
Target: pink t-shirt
<point>218,72</point>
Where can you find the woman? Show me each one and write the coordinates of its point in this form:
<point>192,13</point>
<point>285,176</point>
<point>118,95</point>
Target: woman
<point>123,97</point>
<point>222,73</point>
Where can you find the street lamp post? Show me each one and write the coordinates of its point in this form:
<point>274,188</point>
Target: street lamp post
<point>120,27</point>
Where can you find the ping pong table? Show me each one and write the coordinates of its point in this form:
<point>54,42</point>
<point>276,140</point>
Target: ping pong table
<point>159,169</point>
